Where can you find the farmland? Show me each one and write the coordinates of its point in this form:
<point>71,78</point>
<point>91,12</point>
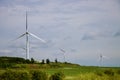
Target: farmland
<point>71,71</point>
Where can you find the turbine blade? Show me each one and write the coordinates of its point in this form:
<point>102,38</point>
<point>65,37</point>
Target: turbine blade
<point>105,57</point>
<point>23,48</point>
<point>20,36</point>
<point>26,22</point>
<point>62,50</point>
<point>37,37</point>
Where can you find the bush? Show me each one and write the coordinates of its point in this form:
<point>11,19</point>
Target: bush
<point>99,73</point>
<point>39,75</point>
<point>109,72</point>
<point>118,72</point>
<point>6,65</point>
<point>57,76</point>
<point>27,61</point>
<point>15,75</point>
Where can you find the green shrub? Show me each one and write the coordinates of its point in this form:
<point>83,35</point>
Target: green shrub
<point>6,65</point>
<point>15,75</point>
<point>99,73</point>
<point>27,61</point>
<point>109,72</point>
<point>39,75</point>
<point>57,76</point>
<point>118,71</point>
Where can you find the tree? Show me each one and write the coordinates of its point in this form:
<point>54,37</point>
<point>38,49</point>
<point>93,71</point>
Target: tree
<point>56,60</point>
<point>47,61</point>
<point>43,61</point>
<point>28,61</point>
<point>32,60</point>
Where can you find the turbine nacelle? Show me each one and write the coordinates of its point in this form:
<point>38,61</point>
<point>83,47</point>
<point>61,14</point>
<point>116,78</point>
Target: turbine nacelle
<point>27,33</point>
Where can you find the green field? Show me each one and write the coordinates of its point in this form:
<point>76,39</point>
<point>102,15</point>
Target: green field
<point>88,73</point>
<point>71,71</point>
<point>74,72</point>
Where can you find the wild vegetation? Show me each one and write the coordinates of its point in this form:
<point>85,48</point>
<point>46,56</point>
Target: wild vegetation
<point>20,69</point>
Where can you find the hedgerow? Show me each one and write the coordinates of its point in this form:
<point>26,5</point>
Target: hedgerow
<point>15,75</point>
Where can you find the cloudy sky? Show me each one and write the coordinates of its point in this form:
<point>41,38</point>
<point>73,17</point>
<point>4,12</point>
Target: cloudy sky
<point>83,28</point>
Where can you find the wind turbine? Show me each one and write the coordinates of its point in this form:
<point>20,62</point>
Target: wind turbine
<point>27,33</point>
<point>101,57</point>
<point>63,51</point>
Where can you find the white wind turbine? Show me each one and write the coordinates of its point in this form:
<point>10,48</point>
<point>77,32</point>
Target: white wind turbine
<point>63,51</point>
<point>27,33</point>
<point>101,57</point>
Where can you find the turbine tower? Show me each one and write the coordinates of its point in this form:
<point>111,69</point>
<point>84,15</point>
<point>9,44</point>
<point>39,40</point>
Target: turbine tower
<point>63,51</point>
<point>27,33</point>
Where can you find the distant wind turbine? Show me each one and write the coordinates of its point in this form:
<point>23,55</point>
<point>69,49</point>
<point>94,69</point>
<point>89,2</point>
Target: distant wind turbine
<point>63,51</point>
<point>101,57</point>
<point>27,33</point>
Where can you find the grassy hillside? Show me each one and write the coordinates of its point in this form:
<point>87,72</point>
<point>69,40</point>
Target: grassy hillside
<point>16,62</point>
<point>71,71</point>
<point>5,59</point>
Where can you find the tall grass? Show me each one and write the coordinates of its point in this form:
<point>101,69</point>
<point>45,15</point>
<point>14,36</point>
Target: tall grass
<point>93,76</point>
<point>71,71</point>
<point>106,74</point>
<point>15,75</point>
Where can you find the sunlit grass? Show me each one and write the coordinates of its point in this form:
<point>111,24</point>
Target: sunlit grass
<point>93,76</point>
<point>71,71</point>
<point>88,73</point>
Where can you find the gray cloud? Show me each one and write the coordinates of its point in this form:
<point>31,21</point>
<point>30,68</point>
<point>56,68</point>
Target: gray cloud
<point>116,34</point>
<point>88,37</point>
<point>74,25</point>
